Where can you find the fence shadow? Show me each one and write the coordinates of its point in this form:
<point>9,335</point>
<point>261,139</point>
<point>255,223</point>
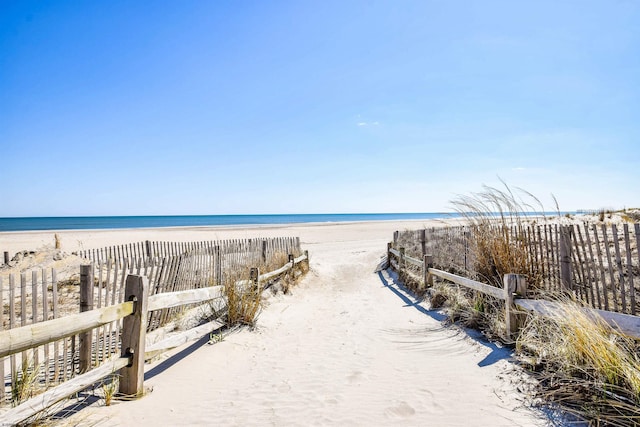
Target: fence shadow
<point>401,291</point>
<point>172,360</point>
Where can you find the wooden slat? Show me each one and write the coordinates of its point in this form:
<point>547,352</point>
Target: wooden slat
<point>45,317</point>
<point>603,280</point>
<point>12,324</point>
<point>616,245</point>
<point>593,267</point>
<point>34,310</point>
<point>23,338</point>
<point>472,284</point>
<point>56,345</point>
<point>43,401</point>
<point>610,268</point>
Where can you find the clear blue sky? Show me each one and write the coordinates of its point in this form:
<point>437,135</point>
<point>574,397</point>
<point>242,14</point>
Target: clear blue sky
<point>222,107</point>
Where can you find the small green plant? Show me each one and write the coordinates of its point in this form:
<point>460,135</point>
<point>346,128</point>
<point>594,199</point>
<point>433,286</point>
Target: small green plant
<point>109,388</point>
<point>215,337</point>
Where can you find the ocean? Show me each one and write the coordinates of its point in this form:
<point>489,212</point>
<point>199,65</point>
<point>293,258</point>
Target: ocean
<point>112,222</point>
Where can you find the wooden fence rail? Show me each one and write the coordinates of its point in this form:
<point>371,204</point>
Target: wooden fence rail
<point>130,363</point>
<point>514,293</point>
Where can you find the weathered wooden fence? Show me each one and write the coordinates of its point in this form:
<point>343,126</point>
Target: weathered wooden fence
<point>40,297</point>
<point>514,293</point>
<point>598,263</point>
<point>259,248</point>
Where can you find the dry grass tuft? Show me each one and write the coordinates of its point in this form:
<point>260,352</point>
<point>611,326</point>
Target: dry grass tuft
<point>26,384</point>
<point>497,218</point>
<point>244,298</point>
<point>586,367</point>
<point>468,308</point>
<point>110,388</point>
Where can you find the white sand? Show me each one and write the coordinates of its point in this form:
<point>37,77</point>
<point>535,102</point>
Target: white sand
<point>347,347</point>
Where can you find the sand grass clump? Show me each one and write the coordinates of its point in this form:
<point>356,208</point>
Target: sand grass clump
<point>585,367</point>
<point>468,308</point>
<point>244,298</point>
<point>26,383</point>
<point>497,219</point>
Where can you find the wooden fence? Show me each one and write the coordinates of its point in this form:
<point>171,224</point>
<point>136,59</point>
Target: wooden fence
<point>514,292</point>
<point>258,248</point>
<point>598,263</point>
<point>40,297</point>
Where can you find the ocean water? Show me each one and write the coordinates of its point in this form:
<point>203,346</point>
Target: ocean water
<point>110,222</point>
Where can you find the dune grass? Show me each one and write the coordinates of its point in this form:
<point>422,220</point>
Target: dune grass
<point>584,366</point>
<point>492,215</point>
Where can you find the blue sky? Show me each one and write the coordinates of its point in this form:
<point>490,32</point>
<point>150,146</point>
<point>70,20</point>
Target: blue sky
<point>225,107</point>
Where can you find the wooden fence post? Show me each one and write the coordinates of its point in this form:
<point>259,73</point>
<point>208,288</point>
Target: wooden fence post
<point>86,304</point>
<point>254,275</point>
<point>427,264</point>
<point>134,329</point>
<point>514,284</point>
<point>401,250</point>
<point>306,253</point>
<point>465,235</point>
<point>6,258</point>
<point>264,251</point>
<point>395,239</point>
<point>423,241</point>
<point>147,245</point>
<point>566,231</point>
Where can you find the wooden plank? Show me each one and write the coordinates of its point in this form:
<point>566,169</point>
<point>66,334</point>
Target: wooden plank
<point>45,317</point>
<point>624,323</point>
<point>178,298</point>
<point>23,311</point>
<point>603,280</point>
<point>578,269</point>
<point>42,401</point>
<point>56,346</point>
<point>180,339</point>
<point>610,269</point>
<point>26,337</point>
<point>616,245</point>
<point>276,273</point>
<point>34,310</point>
<point>472,284</point>
<point>565,257</point>
<point>592,266</point>
<point>12,324</point>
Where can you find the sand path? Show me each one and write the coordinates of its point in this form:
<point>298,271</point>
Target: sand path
<point>347,347</point>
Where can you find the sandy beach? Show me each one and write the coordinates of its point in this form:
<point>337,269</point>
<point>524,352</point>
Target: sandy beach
<point>348,346</point>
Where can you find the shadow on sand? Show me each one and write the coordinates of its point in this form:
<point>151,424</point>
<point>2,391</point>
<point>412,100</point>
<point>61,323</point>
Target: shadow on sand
<point>397,287</point>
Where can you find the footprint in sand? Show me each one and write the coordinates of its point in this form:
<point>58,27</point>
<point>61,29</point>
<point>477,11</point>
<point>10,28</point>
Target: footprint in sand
<point>401,410</point>
<point>354,377</point>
